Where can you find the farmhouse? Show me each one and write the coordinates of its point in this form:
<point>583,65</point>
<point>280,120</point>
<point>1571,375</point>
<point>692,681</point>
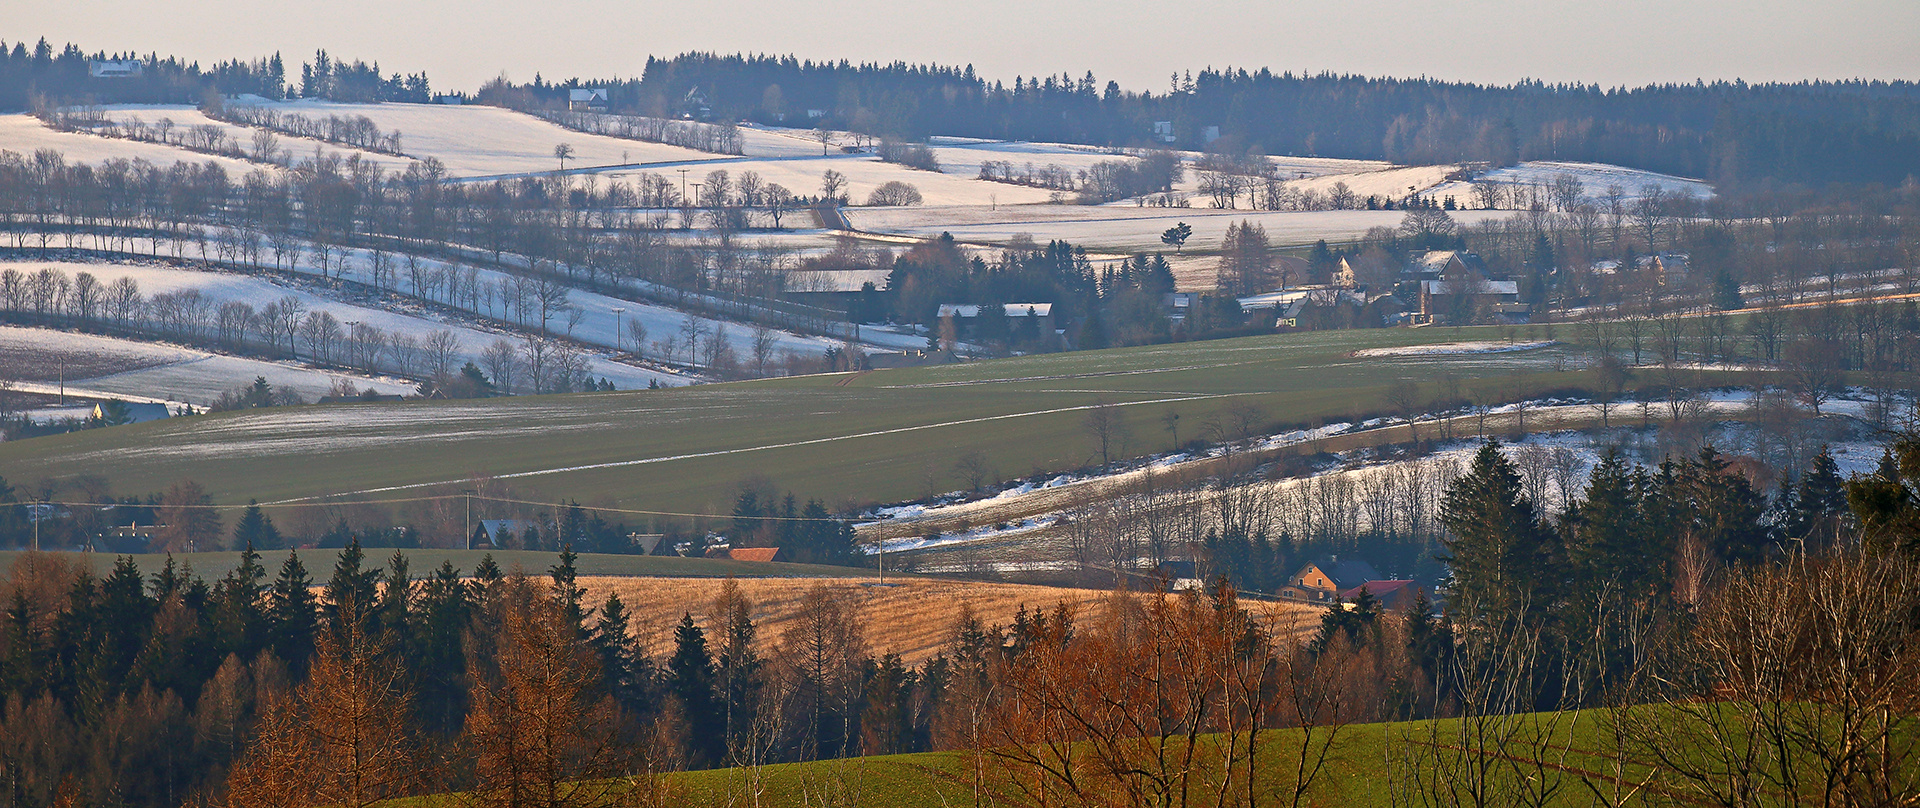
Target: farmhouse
<point>120,412</point>
<point>588,99</point>
<point>1469,300</point>
<point>1437,264</point>
<point>1323,581</point>
<point>967,320</point>
<point>1665,267</point>
<point>115,68</point>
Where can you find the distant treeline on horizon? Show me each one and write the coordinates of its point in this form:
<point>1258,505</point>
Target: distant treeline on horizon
<point>1733,134</point>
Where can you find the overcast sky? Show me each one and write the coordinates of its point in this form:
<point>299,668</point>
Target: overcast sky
<point>461,43</point>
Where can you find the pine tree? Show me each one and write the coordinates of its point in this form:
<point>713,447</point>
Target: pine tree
<point>255,529</point>
<point>239,624</point>
<point>1504,562</point>
<point>887,724</point>
<point>566,589</point>
<point>1820,504</point>
<point>1606,533</point>
<point>628,674</point>
<point>126,618</point>
<point>443,612</point>
<point>690,683</point>
<point>293,614</point>
<point>353,593</point>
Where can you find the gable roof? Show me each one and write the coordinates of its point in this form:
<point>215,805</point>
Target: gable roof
<point>1481,288</point>
<point>1379,589</point>
<point>1343,573</point>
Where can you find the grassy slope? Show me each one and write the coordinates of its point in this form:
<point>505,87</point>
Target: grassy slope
<point>272,455</point>
<point>319,563</point>
<point>1358,771</point>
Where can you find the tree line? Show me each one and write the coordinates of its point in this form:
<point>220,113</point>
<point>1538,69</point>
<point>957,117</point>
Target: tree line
<point>38,76</point>
<point>1731,133</point>
<point>1808,133</point>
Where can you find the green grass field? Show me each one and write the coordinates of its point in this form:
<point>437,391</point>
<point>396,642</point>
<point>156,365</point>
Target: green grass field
<point>1367,765</point>
<point>1566,759</point>
<point>423,562</point>
<point>880,436</point>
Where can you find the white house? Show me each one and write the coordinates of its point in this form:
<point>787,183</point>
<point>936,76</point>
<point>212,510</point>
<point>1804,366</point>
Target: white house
<point>115,68</point>
<point>589,98</point>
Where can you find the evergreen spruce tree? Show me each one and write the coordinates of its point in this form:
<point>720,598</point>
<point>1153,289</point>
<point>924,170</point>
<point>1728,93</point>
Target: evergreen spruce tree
<point>393,614</point>
<point>255,529</point>
<point>1504,562</point>
<point>444,612</point>
<point>530,538</point>
<point>690,683</point>
<point>1606,533</point>
<point>1820,503</point>
<point>566,588</point>
<point>352,594</point>
<point>293,614</point>
<point>1720,507</point>
<point>628,674</point>
<point>239,624</point>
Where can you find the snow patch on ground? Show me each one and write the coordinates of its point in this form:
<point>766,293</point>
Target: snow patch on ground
<point>1451,349</point>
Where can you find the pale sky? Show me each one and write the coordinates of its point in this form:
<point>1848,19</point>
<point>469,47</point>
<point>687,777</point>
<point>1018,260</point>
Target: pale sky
<point>461,43</point>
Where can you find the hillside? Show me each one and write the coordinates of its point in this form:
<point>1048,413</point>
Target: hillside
<point>873,437</point>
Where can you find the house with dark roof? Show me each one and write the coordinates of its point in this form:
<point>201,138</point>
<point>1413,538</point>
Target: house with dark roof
<point>1322,581</point>
<point>121,412</point>
<point>1443,263</point>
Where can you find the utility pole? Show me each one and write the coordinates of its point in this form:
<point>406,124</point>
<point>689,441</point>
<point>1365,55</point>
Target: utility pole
<point>683,184</point>
<point>39,514</point>
<point>619,343</point>
<point>469,498</point>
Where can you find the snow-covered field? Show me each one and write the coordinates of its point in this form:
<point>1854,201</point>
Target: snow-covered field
<point>174,372</point>
<point>1451,349</point>
<point>863,172</point>
<point>1125,228</point>
<point>1385,182</point>
<point>1595,177</point>
<point>480,140</point>
<point>258,292</point>
<point>186,117</point>
<point>25,134</point>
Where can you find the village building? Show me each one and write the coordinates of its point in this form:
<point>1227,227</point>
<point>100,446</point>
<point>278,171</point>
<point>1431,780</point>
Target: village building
<point>1033,319</point>
<point>120,412</point>
<point>1393,596</point>
<point>115,68</point>
<point>1322,581</point>
<point>593,99</point>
